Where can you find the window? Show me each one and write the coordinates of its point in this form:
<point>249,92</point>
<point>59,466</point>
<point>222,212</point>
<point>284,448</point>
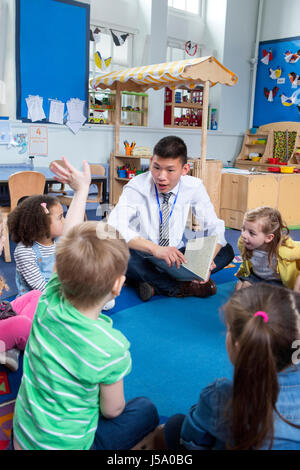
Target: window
<point>190,6</point>
<point>121,56</point>
<point>101,102</point>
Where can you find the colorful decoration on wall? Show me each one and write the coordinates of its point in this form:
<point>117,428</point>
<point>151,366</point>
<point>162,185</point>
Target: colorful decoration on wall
<point>275,74</point>
<point>269,94</point>
<point>190,48</point>
<point>95,35</point>
<point>118,37</point>
<point>20,140</point>
<point>101,63</point>
<point>291,57</point>
<point>267,56</point>
<point>289,101</point>
<point>295,79</point>
<point>282,101</point>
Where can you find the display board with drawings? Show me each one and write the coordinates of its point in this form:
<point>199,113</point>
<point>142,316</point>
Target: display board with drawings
<point>277,91</point>
<point>52,52</point>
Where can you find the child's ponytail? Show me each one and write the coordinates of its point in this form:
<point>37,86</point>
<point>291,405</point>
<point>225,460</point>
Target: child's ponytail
<point>263,323</point>
<point>254,400</point>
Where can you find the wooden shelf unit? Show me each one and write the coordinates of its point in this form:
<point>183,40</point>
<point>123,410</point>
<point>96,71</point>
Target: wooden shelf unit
<point>267,132</point>
<point>193,104</point>
<point>134,108</point>
<point>116,184</point>
<point>240,193</point>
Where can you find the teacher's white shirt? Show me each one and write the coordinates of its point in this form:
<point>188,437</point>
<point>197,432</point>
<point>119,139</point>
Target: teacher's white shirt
<point>137,212</point>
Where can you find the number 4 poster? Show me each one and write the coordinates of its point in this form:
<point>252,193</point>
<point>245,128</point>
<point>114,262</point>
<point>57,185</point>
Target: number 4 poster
<point>38,140</point>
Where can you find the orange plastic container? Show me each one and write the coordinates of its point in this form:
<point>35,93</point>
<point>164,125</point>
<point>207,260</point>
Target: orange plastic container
<point>287,169</point>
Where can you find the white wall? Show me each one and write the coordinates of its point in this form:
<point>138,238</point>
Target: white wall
<point>280,19</point>
<point>239,39</point>
<point>190,27</point>
<point>231,36</point>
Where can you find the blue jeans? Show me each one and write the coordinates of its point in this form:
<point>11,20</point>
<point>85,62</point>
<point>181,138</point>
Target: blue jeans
<point>138,419</point>
<point>123,432</point>
<point>142,270</point>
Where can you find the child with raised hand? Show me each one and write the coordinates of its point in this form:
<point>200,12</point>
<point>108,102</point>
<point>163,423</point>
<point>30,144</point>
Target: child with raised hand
<point>71,395</point>
<point>15,320</point>
<point>34,225</point>
<point>269,254</point>
<point>260,409</point>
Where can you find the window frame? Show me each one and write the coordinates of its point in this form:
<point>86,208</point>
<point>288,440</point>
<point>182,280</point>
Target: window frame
<point>179,11</point>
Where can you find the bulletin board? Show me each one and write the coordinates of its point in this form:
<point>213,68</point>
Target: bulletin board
<point>52,52</point>
<point>277,91</point>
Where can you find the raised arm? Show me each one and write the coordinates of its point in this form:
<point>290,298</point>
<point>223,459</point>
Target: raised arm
<point>80,182</point>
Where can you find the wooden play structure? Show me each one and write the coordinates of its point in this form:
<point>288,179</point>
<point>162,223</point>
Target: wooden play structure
<point>273,180</point>
<point>180,74</point>
<point>277,139</point>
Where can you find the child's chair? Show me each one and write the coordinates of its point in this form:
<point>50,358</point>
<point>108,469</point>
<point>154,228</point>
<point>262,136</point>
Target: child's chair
<point>52,186</point>
<point>20,184</point>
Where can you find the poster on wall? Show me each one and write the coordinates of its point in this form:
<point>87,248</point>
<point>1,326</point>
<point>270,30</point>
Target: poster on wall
<point>38,140</point>
<point>277,90</point>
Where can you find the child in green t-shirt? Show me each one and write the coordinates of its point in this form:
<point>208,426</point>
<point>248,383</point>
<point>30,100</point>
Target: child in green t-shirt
<point>71,395</point>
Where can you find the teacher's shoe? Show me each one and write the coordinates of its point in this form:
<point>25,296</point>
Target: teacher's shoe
<point>195,289</point>
<point>146,291</point>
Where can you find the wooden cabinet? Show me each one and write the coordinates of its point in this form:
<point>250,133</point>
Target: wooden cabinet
<point>288,198</point>
<point>264,142</point>
<point>183,108</point>
<point>240,193</point>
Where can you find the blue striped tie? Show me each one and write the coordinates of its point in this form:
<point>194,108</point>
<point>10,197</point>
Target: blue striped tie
<point>164,224</point>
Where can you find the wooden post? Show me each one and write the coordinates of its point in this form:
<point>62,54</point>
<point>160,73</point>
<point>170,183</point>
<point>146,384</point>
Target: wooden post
<point>204,128</point>
<point>117,118</point>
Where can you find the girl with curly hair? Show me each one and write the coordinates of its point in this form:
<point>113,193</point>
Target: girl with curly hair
<point>34,225</point>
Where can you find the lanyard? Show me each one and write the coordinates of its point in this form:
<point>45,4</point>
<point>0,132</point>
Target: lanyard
<point>158,203</point>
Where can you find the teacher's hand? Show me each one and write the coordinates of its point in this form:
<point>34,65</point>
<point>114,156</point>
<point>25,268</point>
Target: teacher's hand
<point>169,254</point>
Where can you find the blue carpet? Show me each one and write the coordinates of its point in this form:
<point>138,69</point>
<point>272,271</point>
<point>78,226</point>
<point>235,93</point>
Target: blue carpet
<point>177,346</point>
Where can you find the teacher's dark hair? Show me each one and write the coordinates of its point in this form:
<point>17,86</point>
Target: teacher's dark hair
<point>171,147</point>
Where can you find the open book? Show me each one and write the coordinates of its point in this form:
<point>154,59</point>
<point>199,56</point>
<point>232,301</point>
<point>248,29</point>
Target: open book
<point>199,254</point>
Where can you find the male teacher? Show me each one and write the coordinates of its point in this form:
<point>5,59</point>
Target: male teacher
<point>151,215</point>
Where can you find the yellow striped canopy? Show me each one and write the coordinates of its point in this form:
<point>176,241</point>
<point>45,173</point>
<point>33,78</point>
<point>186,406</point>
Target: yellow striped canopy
<point>176,74</point>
